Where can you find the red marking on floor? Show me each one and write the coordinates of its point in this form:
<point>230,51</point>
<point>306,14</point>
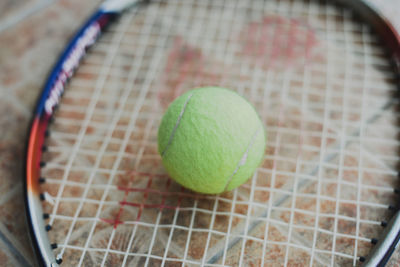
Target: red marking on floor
<point>126,183</point>
<point>180,197</point>
<point>142,204</point>
<point>185,64</point>
<point>113,222</point>
<point>183,60</point>
<point>277,41</point>
<point>121,208</point>
<point>181,194</point>
<point>161,206</point>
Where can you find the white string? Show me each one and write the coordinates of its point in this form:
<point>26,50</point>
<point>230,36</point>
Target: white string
<point>304,102</point>
<point>273,178</point>
<point>228,232</point>
<point>138,158</point>
<point>102,150</point>
<point>70,122</point>
<point>228,59</point>
<point>267,93</point>
<point>364,32</point>
<point>348,74</point>
<point>255,204</point>
<point>220,233</point>
<point>249,210</point>
<point>208,264</point>
<point>153,237</point>
<point>155,229</point>
<point>208,46</point>
<point>190,230</point>
<point>131,124</point>
<point>210,230</point>
<point>329,73</point>
<point>172,228</point>
<point>304,106</point>
<point>299,157</point>
<point>122,102</point>
<point>178,209</point>
<point>262,170</point>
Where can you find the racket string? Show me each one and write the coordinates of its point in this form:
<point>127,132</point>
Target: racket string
<point>249,194</point>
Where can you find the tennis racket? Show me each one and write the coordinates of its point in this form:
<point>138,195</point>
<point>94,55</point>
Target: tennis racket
<point>323,75</point>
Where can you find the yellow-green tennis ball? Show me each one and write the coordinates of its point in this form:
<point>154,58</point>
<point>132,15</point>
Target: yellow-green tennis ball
<point>211,140</point>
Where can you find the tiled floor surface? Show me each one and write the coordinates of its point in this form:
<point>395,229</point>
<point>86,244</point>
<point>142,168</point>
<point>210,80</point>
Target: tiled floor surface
<point>32,34</point>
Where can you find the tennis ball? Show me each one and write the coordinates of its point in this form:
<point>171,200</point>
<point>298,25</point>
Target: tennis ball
<point>211,140</point>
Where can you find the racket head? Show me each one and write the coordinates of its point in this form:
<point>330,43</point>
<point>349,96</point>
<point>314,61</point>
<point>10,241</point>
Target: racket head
<point>144,188</point>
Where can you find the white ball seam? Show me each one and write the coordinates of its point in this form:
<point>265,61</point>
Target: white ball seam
<point>178,121</point>
<point>243,159</point>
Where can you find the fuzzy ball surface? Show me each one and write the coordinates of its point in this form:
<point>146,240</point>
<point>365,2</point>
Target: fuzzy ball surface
<point>211,140</point>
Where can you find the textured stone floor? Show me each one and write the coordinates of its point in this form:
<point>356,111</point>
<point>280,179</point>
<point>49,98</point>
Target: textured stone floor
<point>32,34</point>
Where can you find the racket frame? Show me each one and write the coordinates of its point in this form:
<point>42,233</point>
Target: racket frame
<point>55,85</point>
